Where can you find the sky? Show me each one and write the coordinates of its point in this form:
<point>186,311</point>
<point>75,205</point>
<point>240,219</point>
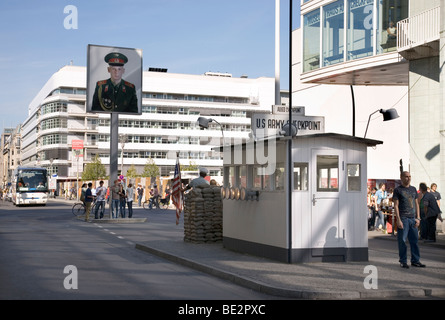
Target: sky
<point>185,36</point>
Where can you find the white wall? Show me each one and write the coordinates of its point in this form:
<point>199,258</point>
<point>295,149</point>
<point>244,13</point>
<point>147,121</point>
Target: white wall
<point>335,104</point>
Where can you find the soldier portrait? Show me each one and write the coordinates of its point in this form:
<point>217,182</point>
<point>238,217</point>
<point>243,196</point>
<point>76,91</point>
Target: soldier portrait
<point>115,94</point>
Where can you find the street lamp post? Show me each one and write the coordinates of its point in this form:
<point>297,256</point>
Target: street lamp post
<point>204,124</point>
<point>388,115</point>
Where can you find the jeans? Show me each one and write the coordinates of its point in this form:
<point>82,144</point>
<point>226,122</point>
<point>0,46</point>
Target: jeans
<point>380,220</point>
<point>100,205</point>
<point>139,200</point>
<point>130,208</point>
<point>122,207</point>
<point>409,232</point>
<point>115,209</point>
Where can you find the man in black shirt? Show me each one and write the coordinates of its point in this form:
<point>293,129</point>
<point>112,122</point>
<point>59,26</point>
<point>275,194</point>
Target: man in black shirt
<point>406,208</point>
<point>431,211</point>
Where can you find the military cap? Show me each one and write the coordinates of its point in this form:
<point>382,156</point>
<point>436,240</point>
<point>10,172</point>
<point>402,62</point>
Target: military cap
<point>116,59</point>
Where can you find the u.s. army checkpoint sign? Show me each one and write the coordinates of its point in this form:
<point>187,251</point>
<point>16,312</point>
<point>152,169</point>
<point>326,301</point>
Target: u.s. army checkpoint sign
<point>267,125</point>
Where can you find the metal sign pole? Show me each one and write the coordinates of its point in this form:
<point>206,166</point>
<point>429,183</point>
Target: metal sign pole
<point>114,145</point>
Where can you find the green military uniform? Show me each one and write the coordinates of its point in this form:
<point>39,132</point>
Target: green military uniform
<point>115,98</point>
<point>119,98</point>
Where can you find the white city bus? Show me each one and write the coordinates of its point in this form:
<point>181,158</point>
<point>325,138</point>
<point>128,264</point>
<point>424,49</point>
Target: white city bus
<point>30,186</point>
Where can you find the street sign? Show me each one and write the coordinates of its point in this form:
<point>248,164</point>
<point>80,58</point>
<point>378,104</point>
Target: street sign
<point>77,144</point>
<point>264,125</point>
<point>278,109</point>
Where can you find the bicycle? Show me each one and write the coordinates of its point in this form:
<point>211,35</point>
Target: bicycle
<point>78,209</point>
<point>161,204</point>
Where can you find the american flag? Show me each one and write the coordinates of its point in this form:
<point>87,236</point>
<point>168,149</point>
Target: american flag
<point>176,191</point>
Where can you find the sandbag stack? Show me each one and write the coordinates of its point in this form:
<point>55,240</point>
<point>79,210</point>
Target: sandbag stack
<point>203,214</point>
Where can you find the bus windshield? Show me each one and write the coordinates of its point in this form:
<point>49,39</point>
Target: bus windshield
<point>32,180</point>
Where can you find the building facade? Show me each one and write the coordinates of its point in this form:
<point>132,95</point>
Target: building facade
<point>386,52</point>
<point>10,157</point>
<point>171,105</point>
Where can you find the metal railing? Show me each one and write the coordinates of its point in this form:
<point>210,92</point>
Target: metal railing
<point>419,29</point>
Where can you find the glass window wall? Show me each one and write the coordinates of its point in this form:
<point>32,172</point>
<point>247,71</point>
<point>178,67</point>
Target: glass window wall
<point>311,36</point>
<point>333,33</point>
<point>389,13</point>
<point>360,29</point>
<point>367,32</point>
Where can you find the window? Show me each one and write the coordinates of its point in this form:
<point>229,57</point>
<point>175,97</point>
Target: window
<point>311,36</point>
<point>333,33</point>
<point>261,180</point>
<point>389,13</point>
<point>360,29</point>
<point>280,177</point>
<point>54,107</point>
<point>54,139</point>
<point>54,123</point>
<point>242,177</point>
<point>327,173</point>
<point>354,177</point>
<point>300,176</point>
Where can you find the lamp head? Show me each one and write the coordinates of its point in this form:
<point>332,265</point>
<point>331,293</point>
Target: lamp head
<point>204,122</point>
<point>286,128</point>
<point>389,114</point>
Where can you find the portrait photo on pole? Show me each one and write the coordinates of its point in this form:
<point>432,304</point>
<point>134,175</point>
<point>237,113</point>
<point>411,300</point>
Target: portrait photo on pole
<point>114,80</point>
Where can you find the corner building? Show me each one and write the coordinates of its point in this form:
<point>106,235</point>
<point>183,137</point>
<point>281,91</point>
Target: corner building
<point>389,44</point>
<point>171,105</point>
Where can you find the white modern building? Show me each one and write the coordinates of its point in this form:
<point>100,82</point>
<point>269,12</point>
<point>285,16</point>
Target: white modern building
<point>171,105</point>
<point>377,54</point>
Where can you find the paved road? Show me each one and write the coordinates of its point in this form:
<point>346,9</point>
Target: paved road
<point>37,243</point>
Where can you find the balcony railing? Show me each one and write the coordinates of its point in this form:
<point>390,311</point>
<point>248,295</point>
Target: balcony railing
<point>418,30</point>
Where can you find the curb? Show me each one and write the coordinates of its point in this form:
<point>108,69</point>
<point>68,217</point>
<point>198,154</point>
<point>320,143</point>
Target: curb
<point>117,220</point>
<point>288,293</point>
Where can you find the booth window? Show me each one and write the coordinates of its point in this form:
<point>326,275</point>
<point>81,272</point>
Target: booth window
<point>242,177</point>
<point>354,177</point>
<point>280,181</point>
<point>236,176</point>
<point>300,176</point>
<point>232,177</point>
<point>261,180</point>
<point>327,173</point>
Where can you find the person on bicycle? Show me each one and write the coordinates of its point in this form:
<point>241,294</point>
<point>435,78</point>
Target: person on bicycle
<point>154,197</point>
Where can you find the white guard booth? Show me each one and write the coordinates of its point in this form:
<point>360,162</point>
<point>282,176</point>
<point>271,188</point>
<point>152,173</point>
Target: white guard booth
<point>328,216</point>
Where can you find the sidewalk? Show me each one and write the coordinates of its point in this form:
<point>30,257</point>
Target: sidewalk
<point>307,280</point>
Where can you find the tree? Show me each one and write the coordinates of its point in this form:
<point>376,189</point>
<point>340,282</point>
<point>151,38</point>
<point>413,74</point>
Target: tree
<point>151,170</point>
<point>191,167</point>
<point>94,170</point>
<point>131,172</point>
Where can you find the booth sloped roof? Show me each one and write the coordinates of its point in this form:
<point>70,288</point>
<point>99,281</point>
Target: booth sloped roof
<point>368,142</point>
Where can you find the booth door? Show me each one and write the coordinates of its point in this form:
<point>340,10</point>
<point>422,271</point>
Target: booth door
<point>325,198</point>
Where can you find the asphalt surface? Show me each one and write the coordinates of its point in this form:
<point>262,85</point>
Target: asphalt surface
<point>379,278</point>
